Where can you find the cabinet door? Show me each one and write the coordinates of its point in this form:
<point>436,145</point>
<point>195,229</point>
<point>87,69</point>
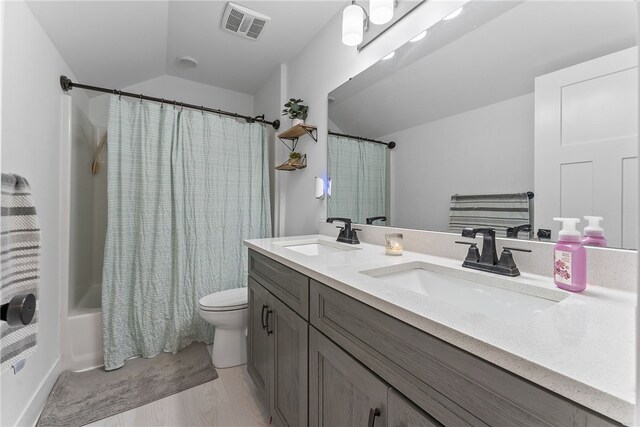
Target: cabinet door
<point>258,358</point>
<point>289,387</point>
<point>341,391</point>
<point>403,413</point>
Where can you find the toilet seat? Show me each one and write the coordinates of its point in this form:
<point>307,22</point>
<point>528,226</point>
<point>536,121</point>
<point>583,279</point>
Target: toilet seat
<point>229,300</point>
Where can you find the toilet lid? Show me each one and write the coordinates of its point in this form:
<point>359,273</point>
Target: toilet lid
<point>231,299</point>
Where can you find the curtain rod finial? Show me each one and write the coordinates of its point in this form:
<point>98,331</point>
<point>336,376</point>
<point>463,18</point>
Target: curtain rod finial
<point>276,124</point>
<point>65,83</point>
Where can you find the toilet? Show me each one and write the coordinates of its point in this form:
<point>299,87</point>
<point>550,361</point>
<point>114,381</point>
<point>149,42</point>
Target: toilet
<point>227,311</point>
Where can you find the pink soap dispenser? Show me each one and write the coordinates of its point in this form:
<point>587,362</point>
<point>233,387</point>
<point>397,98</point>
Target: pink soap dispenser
<point>593,233</point>
<point>569,258</point>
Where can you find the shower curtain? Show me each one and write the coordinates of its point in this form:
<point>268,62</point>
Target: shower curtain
<point>358,172</point>
<point>184,189</point>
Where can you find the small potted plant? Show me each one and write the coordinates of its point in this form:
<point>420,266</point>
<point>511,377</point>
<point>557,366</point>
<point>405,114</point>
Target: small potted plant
<point>296,111</point>
<point>296,161</point>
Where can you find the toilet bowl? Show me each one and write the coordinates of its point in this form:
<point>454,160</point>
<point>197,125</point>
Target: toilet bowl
<point>227,312</point>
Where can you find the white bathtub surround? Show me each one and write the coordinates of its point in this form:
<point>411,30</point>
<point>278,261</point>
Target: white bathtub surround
<point>582,347</point>
<point>610,268</point>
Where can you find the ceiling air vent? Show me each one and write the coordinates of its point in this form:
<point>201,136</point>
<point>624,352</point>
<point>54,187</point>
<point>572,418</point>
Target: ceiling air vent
<point>243,21</point>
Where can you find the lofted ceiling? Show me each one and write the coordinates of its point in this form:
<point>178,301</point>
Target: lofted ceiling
<point>119,43</point>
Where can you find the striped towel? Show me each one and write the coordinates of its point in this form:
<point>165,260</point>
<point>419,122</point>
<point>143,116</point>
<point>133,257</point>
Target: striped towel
<point>20,260</point>
<point>497,211</point>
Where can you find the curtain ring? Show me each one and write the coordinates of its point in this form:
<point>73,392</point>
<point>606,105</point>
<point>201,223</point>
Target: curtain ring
<point>174,104</point>
<point>140,98</point>
<point>202,109</point>
<point>119,95</point>
<point>162,103</point>
<point>181,106</point>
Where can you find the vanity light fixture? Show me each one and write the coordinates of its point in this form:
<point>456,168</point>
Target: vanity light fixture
<point>418,37</point>
<point>389,56</point>
<point>381,11</point>
<point>453,14</point>
<point>354,22</point>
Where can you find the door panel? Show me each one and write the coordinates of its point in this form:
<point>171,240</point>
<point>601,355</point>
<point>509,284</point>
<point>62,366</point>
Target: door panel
<point>289,388</point>
<point>258,357</point>
<point>342,392</point>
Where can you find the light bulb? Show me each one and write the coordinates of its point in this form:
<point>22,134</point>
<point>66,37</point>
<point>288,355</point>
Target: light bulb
<point>380,11</point>
<point>352,25</point>
<point>453,14</point>
<point>418,37</point>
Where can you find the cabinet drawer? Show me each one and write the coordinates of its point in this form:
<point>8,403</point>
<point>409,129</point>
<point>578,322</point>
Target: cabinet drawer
<point>290,286</point>
<point>455,387</point>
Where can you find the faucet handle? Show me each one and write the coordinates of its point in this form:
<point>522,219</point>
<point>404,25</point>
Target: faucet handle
<point>515,249</point>
<point>474,254</point>
<point>506,257</point>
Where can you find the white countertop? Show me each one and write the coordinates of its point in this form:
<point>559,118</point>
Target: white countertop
<point>582,348</point>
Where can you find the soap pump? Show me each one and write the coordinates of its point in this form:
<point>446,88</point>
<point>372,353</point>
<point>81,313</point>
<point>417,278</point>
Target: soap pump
<point>593,233</point>
<point>569,257</point>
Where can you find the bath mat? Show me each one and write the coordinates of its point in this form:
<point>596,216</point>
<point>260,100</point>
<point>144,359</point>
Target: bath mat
<point>80,398</point>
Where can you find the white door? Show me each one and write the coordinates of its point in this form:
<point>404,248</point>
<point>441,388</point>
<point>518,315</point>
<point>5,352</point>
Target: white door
<point>586,145</point>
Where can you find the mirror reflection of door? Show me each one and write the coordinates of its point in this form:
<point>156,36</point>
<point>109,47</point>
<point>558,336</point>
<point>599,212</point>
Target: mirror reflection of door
<point>586,145</point>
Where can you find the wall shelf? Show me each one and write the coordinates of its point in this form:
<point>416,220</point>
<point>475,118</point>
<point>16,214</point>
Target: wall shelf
<point>295,132</point>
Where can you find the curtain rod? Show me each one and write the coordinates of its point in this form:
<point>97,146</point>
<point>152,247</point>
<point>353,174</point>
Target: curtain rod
<point>67,85</point>
<point>390,145</point>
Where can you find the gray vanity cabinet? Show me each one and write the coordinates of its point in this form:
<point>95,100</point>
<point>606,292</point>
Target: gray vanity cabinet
<point>402,413</point>
<point>322,358</point>
<point>342,392</point>
<point>277,341</point>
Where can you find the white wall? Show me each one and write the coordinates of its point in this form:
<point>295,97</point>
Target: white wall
<point>266,101</point>
<point>31,125</point>
<point>174,88</point>
<point>457,155</point>
<point>322,66</point>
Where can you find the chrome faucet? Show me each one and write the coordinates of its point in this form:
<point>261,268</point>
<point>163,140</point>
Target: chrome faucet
<point>347,234</point>
<point>488,259</point>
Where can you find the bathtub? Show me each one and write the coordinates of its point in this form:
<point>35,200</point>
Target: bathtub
<point>85,332</point>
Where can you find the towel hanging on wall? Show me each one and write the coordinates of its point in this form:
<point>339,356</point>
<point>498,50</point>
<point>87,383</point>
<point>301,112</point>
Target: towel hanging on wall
<point>497,211</point>
<point>20,259</point>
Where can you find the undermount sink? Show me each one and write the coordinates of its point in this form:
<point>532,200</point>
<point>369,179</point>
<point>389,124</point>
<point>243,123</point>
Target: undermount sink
<point>496,297</point>
<point>316,246</point>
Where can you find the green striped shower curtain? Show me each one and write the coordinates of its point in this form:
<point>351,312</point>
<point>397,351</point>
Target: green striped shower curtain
<point>184,189</point>
<point>358,172</point>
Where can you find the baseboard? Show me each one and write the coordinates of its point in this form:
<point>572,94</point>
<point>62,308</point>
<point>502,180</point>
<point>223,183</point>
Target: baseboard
<point>29,417</point>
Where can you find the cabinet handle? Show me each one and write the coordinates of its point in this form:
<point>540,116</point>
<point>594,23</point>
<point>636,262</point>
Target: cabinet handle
<point>264,325</point>
<point>269,330</point>
<point>373,413</point>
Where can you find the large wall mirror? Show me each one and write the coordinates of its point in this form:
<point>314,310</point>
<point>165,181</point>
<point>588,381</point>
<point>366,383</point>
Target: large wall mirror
<point>511,113</point>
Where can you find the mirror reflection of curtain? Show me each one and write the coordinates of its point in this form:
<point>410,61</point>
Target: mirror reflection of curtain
<point>358,172</point>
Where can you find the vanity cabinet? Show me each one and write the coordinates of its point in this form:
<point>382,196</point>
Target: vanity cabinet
<point>323,358</point>
<point>277,347</point>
